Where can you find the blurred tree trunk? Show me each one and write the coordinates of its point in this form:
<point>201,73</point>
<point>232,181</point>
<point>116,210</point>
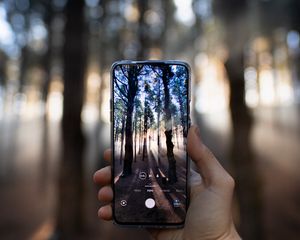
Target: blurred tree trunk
<point>102,57</point>
<point>295,24</point>
<point>248,185</point>
<point>101,49</point>
<point>70,217</point>
<point>23,68</point>
<point>47,58</point>
<point>142,31</point>
<point>3,60</point>
<point>168,10</point>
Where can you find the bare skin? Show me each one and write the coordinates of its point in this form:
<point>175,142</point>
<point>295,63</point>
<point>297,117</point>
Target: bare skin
<point>209,215</point>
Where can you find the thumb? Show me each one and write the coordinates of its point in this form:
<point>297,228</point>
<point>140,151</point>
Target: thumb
<point>212,172</point>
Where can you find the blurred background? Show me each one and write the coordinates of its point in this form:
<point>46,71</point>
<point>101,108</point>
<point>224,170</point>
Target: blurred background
<point>55,58</point>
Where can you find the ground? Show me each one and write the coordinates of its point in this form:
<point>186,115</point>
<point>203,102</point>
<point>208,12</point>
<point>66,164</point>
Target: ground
<point>136,189</point>
<point>29,172</point>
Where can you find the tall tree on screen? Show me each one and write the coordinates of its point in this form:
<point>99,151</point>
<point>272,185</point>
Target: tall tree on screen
<point>158,109</point>
<point>179,91</point>
<point>119,122</point>
<point>138,112</point>
<point>167,74</point>
<point>126,87</point>
<point>148,115</point>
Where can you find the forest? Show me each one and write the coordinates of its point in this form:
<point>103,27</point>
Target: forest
<point>55,59</point>
<point>150,120</point>
<point>150,114</point>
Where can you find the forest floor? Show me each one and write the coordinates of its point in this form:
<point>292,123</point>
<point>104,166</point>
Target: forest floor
<point>149,180</point>
<point>29,171</point>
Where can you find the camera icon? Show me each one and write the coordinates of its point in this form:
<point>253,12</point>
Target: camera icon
<point>123,203</point>
<point>142,175</point>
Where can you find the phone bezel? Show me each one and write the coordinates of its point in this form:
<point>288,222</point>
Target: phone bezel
<point>149,62</point>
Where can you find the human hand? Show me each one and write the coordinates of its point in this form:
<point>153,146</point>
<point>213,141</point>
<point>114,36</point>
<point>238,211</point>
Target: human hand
<point>209,214</point>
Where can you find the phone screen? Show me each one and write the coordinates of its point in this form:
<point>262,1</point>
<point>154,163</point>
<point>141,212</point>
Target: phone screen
<point>150,120</point>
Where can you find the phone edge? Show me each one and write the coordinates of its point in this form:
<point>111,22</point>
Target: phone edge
<point>143,226</point>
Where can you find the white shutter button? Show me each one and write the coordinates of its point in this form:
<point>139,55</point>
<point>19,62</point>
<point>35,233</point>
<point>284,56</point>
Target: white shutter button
<point>150,203</point>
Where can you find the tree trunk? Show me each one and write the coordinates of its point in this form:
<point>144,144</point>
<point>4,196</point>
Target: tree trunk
<point>183,122</point>
<point>140,133</point>
<point>116,130</point>
<point>135,142</point>
<point>142,31</point>
<point>177,137</point>
<point>3,61</point>
<point>168,121</point>
<point>248,185</point>
<point>145,131</point>
<point>132,90</point>
<point>158,124</point>
<point>70,216</point>
<point>23,68</point>
<point>128,141</point>
<point>235,17</point>
<point>122,138</point>
<point>48,55</point>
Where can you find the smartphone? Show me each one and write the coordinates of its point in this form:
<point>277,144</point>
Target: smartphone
<point>150,120</point>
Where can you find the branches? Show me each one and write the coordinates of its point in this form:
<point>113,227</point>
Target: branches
<point>121,91</point>
<point>139,69</point>
<point>123,84</point>
<point>157,73</point>
<point>121,97</point>
<point>124,72</point>
<point>117,78</point>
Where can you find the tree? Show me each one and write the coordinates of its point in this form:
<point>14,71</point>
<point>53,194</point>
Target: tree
<point>148,115</point>
<point>233,13</point>
<point>126,87</point>
<point>3,60</point>
<point>119,120</point>
<point>47,58</point>
<point>167,74</point>
<point>142,31</point>
<point>70,205</point>
<point>157,108</point>
<point>180,90</point>
<point>137,124</point>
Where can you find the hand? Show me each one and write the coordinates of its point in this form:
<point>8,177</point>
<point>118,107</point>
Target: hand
<point>209,215</point>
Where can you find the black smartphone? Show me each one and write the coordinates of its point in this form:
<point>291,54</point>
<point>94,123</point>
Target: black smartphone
<point>150,120</point>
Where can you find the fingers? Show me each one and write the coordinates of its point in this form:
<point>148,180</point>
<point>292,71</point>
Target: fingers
<point>105,212</point>
<point>105,194</point>
<point>103,176</point>
<point>210,169</point>
<point>107,155</point>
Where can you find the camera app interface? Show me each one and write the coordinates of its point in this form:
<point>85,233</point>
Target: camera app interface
<point>150,124</point>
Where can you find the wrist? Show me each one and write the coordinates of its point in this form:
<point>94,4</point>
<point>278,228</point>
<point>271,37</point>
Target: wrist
<point>232,234</point>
